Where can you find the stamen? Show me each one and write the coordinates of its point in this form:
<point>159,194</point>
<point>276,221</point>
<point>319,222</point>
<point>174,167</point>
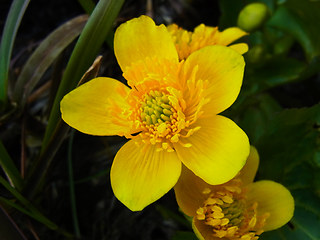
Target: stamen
<point>228,213</point>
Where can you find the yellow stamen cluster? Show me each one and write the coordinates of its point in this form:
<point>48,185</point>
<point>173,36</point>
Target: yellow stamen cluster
<point>156,108</point>
<point>229,214</point>
<point>161,118</point>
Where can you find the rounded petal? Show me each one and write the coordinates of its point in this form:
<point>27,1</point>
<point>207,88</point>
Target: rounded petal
<point>219,150</point>
<point>140,38</point>
<point>141,175</point>
<point>223,69</point>
<point>87,108</point>
<point>203,231</point>
<point>241,48</point>
<point>189,192</point>
<point>272,198</point>
<point>230,35</point>
<point>248,172</point>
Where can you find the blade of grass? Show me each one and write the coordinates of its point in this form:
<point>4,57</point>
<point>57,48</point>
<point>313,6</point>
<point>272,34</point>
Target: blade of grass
<point>17,10</point>
<point>87,5</point>
<point>8,227</point>
<point>84,53</point>
<point>36,176</point>
<point>43,57</point>
<point>31,210</point>
<point>39,217</point>
<point>9,168</point>
<point>72,189</point>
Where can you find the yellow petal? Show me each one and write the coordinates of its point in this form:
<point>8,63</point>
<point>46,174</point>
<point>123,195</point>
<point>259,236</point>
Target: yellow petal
<point>223,68</point>
<point>189,192</point>
<point>230,35</point>
<point>272,198</point>
<point>248,172</point>
<point>139,39</point>
<point>87,108</point>
<point>203,231</point>
<point>141,175</point>
<point>219,150</point>
<point>241,48</point>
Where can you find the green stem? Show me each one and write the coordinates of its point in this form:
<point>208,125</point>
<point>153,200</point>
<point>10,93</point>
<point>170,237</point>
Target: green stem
<point>72,189</point>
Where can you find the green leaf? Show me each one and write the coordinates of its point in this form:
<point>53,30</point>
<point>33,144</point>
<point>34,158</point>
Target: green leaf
<point>43,57</point>
<point>83,55</point>
<point>10,168</point>
<point>275,72</point>
<point>254,115</point>
<point>300,18</point>
<point>288,153</point>
<point>11,26</point>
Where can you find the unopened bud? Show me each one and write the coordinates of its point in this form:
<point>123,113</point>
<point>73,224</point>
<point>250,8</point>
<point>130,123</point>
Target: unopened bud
<point>253,16</point>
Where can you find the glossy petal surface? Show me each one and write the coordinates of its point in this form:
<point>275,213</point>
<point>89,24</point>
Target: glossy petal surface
<point>88,108</point>
<point>141,175</point>
<point>188,191</point>
<point>140,38</point>
<point>248,172</point>
<point>222,68</point>
<point>272,198</point>
<point>219,150</point>
<point>241,48</point>
<point>230,35</point>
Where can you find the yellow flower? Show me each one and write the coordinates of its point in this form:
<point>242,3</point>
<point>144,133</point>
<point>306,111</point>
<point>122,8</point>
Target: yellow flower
<point>239,209</point>
<point>187,42</point>
<point>169,113</point>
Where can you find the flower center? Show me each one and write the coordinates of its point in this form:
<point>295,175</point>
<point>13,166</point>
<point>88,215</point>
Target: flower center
<point>156,108</point>
<point>160,118</point>
<point>230,215</point>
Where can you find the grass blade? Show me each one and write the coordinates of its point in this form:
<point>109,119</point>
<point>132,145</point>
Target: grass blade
<point>44,56</point>
<point>29,208</point>
<point>9,228</point>
<point>16,12</point>
<point>9,168</point>
<point>87,5</point>
<point>83,55</point>
<point>72,189</point>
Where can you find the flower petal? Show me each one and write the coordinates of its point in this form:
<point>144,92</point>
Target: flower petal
<point>230,35</point>
<point>241,48</point>
<point>219,150</point>
<point>272,198</point>
<point>248,172</point>
<point>203,231</point>
<point>87,108</point>
<point>140,176</point>
<point>139,39</point>
<point>223,68</point>
<point>189,192</point>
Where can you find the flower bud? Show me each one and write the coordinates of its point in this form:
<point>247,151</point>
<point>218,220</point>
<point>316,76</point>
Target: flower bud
<point>253,16</point>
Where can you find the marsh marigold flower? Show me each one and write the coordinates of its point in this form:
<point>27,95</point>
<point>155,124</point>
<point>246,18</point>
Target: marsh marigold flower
<point>239,209</point>
<point>169,113</point>
<point>187,42</point>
